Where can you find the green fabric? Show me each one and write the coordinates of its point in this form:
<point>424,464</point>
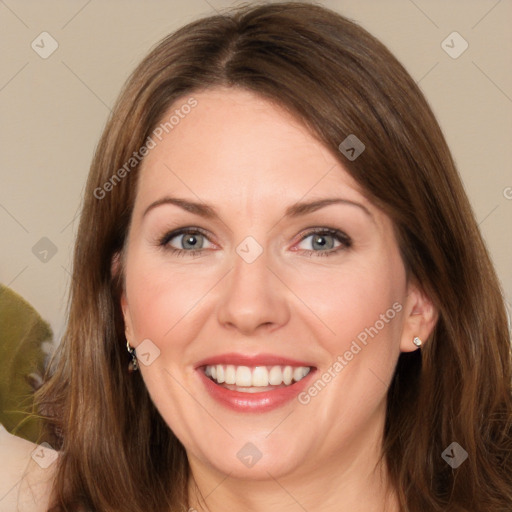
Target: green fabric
<point>22,332</point>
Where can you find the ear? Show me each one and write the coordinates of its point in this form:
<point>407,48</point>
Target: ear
<point>115,268</point>
<point>420,317</point>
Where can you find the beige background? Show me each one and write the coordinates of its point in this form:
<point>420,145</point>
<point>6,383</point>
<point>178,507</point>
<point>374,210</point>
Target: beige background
<point>53,111</point>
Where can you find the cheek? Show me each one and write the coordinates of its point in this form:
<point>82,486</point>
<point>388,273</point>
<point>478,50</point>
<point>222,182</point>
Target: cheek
<point>360,303</point>
<point>362,308</point>
<point>160,298</point>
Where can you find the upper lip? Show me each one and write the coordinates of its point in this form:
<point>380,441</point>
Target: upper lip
<point>251,360</point>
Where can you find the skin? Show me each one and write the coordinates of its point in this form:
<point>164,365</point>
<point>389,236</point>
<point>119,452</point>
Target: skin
<point>250,160</point>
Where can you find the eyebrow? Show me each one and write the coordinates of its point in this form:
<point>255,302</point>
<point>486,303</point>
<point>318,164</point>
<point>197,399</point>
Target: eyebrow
<point>295,210</point>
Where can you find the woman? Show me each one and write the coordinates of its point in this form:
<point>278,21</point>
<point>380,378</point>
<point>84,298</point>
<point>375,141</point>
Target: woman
<point>280,297</point>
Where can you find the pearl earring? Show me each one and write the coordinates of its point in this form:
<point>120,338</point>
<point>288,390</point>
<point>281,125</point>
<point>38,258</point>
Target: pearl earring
<point>417,341</point>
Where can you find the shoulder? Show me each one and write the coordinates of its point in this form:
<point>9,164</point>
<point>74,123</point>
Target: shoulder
<point>27,473</point>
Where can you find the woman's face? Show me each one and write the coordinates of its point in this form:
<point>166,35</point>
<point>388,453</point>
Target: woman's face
<point>229,271</point>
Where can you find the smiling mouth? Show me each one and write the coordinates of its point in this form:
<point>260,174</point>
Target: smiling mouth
<point>255,379</point>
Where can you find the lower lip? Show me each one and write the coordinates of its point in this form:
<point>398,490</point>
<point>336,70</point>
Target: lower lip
<point>254,402</point>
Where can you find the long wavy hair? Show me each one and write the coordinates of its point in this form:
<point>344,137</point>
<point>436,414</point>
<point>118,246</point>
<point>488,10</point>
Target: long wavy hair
<point>117,453</point>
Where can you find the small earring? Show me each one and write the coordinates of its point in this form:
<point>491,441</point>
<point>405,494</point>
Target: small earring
<point>417,341</point>
<point>133,365</point>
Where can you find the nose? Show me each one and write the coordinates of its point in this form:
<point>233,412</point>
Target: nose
<point>253,298</point>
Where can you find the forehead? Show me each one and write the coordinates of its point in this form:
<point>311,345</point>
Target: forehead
<point>233,139</point>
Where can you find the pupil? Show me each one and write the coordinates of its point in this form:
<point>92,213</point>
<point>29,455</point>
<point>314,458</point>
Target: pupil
<point>191,240</point>
<point>321,242</point>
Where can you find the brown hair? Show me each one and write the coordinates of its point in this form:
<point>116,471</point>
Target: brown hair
<point>117,452</point>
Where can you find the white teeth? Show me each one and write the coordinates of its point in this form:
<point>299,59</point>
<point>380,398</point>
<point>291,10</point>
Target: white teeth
<point>287,375</point>
<point>220,374</point>
<point>243,376</point>
<point>298,373</point>
<point>258,376</point>
<point>229,374</point>
<point>275,377</point>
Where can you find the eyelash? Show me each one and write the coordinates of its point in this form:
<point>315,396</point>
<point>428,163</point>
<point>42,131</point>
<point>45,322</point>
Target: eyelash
<point>344,239</point>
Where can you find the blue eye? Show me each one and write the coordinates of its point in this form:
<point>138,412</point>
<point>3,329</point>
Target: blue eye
<point>190,240</point>
<point>323,242</point>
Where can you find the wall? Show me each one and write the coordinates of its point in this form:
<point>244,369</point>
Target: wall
<point>53,110</point>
